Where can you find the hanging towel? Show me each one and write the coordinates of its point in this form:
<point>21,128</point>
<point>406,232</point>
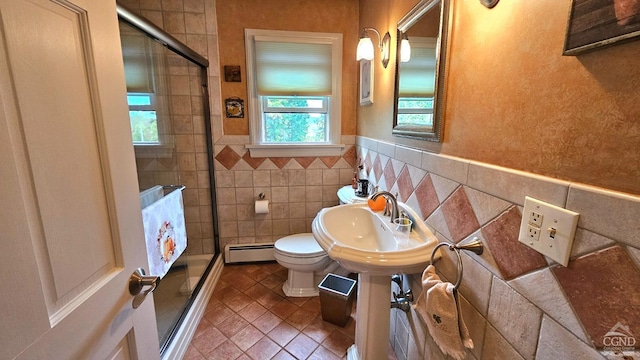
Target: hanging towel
<point>165,232</point>
<point>438,308</point>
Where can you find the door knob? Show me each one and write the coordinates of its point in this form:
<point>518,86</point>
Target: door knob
<point>137,282</point>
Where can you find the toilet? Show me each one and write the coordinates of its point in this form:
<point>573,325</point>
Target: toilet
<point>306,261</point>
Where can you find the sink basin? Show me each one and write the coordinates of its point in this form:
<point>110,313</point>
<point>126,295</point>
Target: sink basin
<point>363,241</point>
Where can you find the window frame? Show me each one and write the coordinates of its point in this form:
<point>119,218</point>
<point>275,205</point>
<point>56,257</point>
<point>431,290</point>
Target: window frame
<point>333,146</point>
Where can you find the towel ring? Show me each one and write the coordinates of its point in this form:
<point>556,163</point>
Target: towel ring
<point>474,246</point>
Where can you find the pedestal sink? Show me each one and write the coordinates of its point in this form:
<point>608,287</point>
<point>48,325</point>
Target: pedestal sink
<point>364,241</point>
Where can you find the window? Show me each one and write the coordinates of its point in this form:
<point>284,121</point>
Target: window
<point>294,86</point>
<point>417,84</point>
<point>144,121</point>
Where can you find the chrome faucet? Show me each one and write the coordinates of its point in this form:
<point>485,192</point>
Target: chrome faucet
<point>391,200</point>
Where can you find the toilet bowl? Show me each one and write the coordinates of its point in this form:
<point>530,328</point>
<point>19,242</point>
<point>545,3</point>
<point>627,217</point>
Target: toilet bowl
<point>306,261</point>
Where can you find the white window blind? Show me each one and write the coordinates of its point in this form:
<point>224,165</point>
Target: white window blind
<point>138,66</point>
<point>293,69</point>
<point>417,77</point>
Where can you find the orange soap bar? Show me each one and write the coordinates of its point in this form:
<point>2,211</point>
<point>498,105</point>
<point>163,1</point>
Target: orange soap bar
<point>377,204</point>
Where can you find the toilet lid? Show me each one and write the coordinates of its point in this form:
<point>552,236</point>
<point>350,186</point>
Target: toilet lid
<point>301,245</point>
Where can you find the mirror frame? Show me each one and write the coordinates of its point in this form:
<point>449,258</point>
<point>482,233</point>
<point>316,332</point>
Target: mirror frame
<point>423,132</point>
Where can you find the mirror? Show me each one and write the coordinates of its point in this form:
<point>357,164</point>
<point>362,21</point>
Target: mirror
<point>419,93</point>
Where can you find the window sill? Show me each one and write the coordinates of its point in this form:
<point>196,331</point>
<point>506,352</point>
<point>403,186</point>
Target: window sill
<point>307,150</point>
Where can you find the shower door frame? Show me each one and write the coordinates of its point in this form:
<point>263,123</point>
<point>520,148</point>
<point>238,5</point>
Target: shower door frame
<point>185,51</point>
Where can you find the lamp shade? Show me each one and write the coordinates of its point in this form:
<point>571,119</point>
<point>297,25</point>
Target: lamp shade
<point>405,50</point>
<point>365,49</point>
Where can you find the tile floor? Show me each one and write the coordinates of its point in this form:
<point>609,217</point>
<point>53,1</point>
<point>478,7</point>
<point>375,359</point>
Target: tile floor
<point>249,317</point>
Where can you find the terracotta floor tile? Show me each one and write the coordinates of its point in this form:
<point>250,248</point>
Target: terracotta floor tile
<point>209,340</point>
<point>247,337</point>
<point>265,348</point>
<point>301,346</point>
<point>252,311</point>
<point>318,329</point>
<point>238,316</point>
<point>238,302</point>
<point>323,353</point>
<point>257,291</point>
<point>300,319</point>
<point>283,355</point>
<point>313,305</point>
<point>337,342</point>
<point>284,309</point>
<point>283,333</point>
<point>226,351</point>
<point>232,325</point>
<point>217,315</point>
<point>192,354</point>
<point>267,322</point>
<point>269,299</point>
<point>272,281</point>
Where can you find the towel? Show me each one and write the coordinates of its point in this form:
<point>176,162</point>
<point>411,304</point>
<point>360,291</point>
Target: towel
<point>438,308</point>
<point>165,232</point>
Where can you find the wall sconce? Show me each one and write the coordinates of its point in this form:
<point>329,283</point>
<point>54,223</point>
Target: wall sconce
<point>365,46</point>
<point>405,49</point>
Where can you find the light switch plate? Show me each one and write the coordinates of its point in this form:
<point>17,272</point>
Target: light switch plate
<point>557,229</point>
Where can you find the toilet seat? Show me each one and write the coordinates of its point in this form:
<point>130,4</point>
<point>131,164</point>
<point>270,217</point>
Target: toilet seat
<point>299,246</point>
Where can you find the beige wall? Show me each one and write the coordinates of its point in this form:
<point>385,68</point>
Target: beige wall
<point>514,100</point>
<point>337,16</point>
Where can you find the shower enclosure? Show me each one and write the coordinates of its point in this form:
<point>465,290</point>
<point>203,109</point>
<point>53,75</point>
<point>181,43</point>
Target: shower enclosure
<point>171,130</point>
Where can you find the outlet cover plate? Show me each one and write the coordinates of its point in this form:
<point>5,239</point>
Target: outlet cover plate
<point>557,229</point>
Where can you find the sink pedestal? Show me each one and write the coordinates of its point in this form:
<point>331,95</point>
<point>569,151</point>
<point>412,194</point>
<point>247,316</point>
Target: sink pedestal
<point>372,318</point>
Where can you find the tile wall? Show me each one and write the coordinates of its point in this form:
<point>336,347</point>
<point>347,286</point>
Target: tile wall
<point>517,303</point>
<point>297,188</point>
<point>194,23</point>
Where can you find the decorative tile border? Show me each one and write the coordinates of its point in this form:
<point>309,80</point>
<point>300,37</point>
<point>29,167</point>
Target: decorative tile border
<point>459,199</point>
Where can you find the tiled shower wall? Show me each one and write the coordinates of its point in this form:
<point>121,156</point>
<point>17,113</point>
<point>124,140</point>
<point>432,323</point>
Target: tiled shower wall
<point>296,187</point>
<point>516,303</point>
<point>194,23</point>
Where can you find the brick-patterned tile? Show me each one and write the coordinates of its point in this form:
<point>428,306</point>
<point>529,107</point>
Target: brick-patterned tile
<point>228,158</point>
<point>604,290</point>
<point>459,215</point>
<point>512,257</point>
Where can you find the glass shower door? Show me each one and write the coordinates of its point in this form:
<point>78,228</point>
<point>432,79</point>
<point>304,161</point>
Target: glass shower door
<point>169,123</point>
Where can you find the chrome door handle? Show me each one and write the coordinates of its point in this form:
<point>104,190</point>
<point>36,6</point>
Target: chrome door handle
<point>137,282</point>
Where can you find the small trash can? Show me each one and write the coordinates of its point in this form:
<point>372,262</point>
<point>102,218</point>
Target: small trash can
<point>336,298</point>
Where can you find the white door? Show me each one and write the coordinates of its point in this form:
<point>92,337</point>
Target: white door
<point>70,221</point>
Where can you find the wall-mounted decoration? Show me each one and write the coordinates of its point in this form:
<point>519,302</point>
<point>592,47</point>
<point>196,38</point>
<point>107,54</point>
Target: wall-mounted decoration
<point>234,107</point>
<point>366,82</point>
<point>232,73</point>
<point>597,23</point>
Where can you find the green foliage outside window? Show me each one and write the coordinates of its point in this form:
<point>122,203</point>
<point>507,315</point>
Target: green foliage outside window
<point>282,126</point>
<point>144,126</point>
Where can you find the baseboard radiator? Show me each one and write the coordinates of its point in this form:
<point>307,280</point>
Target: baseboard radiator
<point>242,253</point>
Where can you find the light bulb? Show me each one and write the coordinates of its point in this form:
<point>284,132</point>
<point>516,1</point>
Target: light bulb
<point>365,49</point>
<point>405,50</point>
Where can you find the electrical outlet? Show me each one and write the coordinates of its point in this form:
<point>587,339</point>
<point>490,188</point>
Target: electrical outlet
<point>533,232</point>
<point>535,218</point>
<point>548,229</point>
